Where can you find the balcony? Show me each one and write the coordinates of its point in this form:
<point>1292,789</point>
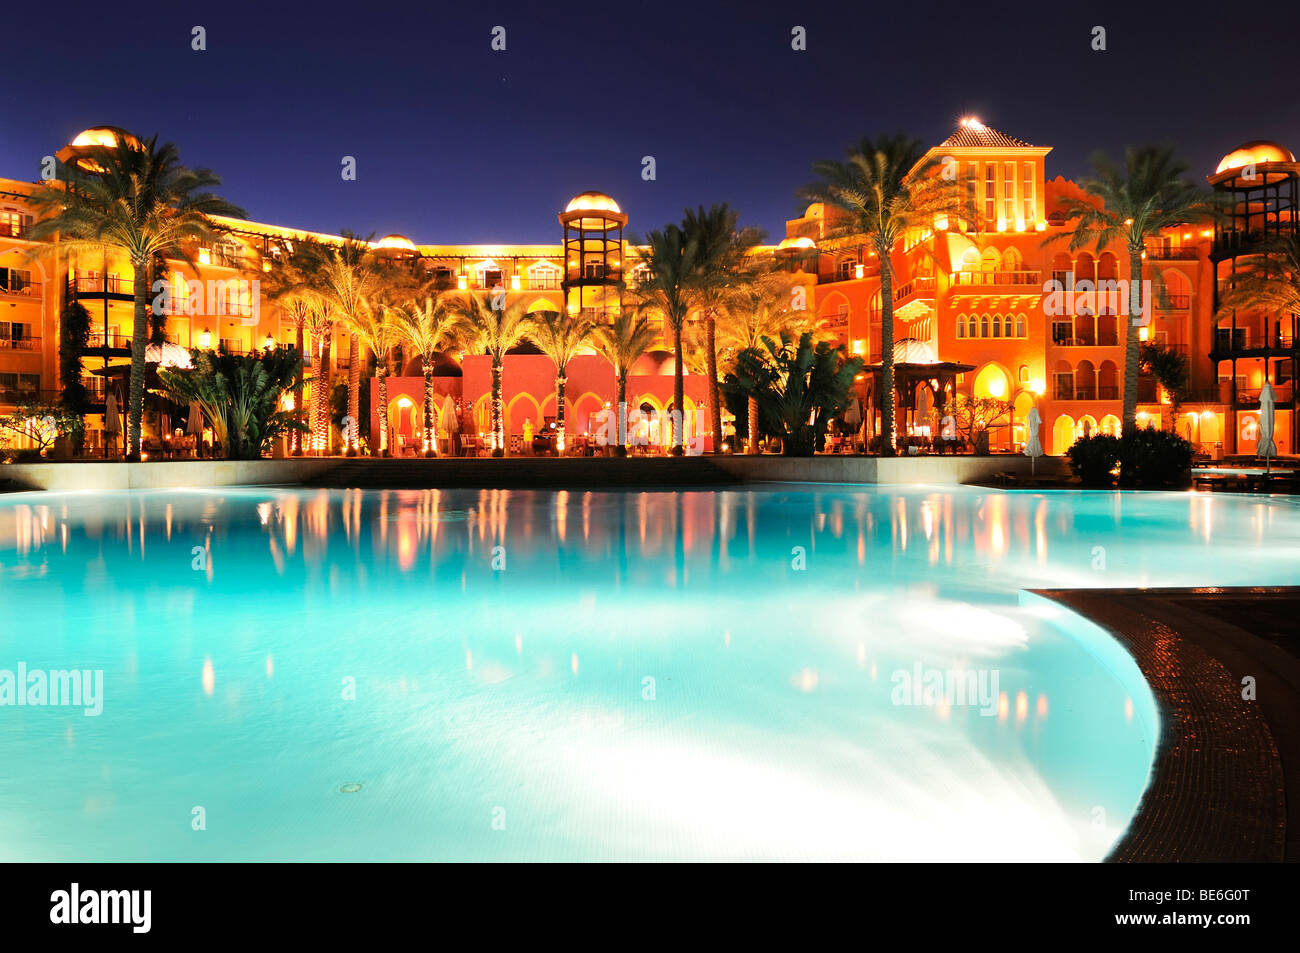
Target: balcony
<point>11,284</point>
<point>1172,302</point>
<point>987,279</point>
<point>1170,253</point>
<point>20,344</point>
<point>914,298</point>
<point>114,342</point>
<point>115,287</point>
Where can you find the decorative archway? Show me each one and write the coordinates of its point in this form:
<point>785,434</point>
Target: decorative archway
<point>522,407</point>
<point>1062,434</point>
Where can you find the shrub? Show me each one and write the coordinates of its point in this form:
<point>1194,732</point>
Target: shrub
<point>1153,458</point>
<point>1093,458</point>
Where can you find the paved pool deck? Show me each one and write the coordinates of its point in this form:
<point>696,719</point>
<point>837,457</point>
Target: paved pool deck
<point>1225,764</point>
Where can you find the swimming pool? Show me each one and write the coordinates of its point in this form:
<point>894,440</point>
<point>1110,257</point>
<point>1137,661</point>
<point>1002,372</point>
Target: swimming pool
<point>349,675</point>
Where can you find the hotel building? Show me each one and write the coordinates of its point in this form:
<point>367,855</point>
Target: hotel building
<point>976,300</point>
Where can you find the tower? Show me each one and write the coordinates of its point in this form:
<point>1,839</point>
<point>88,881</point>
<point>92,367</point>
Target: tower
<point>593,256</point>
<point>1260,184</point>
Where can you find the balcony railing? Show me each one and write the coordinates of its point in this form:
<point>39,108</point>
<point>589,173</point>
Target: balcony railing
<point>986,278</point>
<point>10,284</point>
<point>20,344</point>
<point>1173,302</point>
<point>113,339</point>
<point>99,284</point>
<point>916,287</point>
<point>1170,253</point>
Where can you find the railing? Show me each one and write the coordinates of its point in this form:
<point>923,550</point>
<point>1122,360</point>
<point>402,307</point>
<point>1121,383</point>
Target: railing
<point>1108,392</point>
<point>913,287</point>
<point>1101,340</point>
<point>1170,253</point>
<point>11,285</point>
<point>14,229</point>
<point>113,339</point>
<point>981,278</point>
<point>20,344</point>
<point>1173,302</point>
<point>99,284</point>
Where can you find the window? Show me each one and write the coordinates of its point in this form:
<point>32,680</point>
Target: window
<point>997,326</point>
<point>972,200</point>
<point>544,276</point>
<point>1020,326</point>
<point>1027,195</point>
<point>594,268</point>
<point>1064,385</point>
<point>1063,332</point>
<point>961,325</point>
<point>845,269</point>
<point>971,326</point>
<point>15,280</point>
<point>990,192</point>
<point>1009,191</point>
<point>1006,326</point>
<point>1023,374</point>
<point>13,223</point>
<point>984,326</point>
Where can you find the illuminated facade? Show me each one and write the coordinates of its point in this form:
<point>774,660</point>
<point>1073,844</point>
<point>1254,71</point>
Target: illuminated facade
<point>975,300</point>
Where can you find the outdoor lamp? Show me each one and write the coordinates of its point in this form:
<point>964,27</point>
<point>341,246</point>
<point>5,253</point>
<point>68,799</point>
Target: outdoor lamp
<point>205,339</point>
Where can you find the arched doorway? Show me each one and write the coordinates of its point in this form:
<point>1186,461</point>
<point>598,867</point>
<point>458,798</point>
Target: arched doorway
<point>1062,434</point>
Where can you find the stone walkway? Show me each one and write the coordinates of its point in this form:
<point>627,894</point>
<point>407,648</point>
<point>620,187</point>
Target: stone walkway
<point>1224,763</point>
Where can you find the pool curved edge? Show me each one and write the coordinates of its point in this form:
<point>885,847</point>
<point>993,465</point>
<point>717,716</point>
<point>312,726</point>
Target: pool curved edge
<point>1217,803</point>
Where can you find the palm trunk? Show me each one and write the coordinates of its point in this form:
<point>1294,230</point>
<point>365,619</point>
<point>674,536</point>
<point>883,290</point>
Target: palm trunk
<point>886,357</point>
<point>430,436</point>
<point>296,436</point>
<point>498,428</point>
<point>679,394</point>
<point>354,391</point>
<point>381,380</point>
<point>560,447</point>
<point>753,425</point>
<point>714,396</point>
<point>620,424</point>
<point>139,338</point>
<point>321,395</point>
<point>1131,346</point>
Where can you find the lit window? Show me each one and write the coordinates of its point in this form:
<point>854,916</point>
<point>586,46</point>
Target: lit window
<point>1009,191</point>
<point>990,192</point>
<point>961,326</point>
<point>1027,193</point>
<point>1020,326</point>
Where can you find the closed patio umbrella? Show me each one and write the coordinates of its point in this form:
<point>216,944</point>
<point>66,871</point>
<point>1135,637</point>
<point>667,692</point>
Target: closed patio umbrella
<point>112,420</point>
<point>1033,446</point>
<point>194,425</point>
<point>1265,447</point>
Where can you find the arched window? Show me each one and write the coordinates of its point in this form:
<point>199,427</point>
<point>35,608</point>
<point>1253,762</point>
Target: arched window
<point>984,326</point>
<point>1012,260</point>
<point>997,326</point>
<point>1020,326</point>
<point>970,327</point>
<point>990,260</point>
<point>1006,326</point>
<point>961,325</point>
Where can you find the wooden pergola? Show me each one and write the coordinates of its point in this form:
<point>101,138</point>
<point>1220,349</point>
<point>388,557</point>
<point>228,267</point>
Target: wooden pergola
<point>939,377</point>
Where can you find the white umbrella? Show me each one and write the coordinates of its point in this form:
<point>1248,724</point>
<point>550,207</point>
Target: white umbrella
<point>1265,447</point>
<point>194,425</point>
<point>853,413</point>
<point>449,415</point>
<point>1033,446</point>
<point>923,405</point>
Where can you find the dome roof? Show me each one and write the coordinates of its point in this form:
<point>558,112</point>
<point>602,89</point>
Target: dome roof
<point>1255,153</point>
<point>592,201</point>
<point>912,351</point>
<point>108,136</point>
<point>396,242</point>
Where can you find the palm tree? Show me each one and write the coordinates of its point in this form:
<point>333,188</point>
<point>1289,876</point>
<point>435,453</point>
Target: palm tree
<point>288,283</point>
<point>138,201</point>
<point>886,187</point>
<point>560,336</point>
<point>349,281</point>
<point>623,342</point>
<point>376,329</point>
<point>720,268</point>
<point>1137,202</point>
<point>757,310</point>
<point>429,330</point>
<point>493,324</point>
<point>670,258</point>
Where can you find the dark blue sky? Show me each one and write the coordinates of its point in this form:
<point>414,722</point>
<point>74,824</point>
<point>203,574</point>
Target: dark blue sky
<point>457,143</point>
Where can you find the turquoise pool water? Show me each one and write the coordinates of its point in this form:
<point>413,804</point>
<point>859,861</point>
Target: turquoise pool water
<point>332,675</point>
